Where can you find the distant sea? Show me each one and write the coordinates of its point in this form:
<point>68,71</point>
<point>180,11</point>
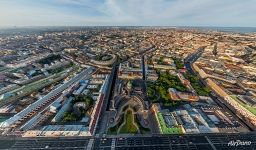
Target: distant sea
<point>242,30</point>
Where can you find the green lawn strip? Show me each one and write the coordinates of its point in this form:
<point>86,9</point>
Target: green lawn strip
<point>35,86</point>
<point>249,108</point>
<point>165,129</point>
<point>195,83</point>
<point>39,82</point>
<point>129,124</point>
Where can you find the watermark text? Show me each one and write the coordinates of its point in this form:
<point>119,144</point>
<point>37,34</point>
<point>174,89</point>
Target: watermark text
<point>239,143</point>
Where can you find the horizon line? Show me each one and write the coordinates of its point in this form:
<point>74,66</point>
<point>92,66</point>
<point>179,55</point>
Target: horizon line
<point>172,26</point>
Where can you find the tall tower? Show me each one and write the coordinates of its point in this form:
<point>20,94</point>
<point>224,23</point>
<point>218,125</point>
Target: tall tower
<point>215,50</point>
<point>144,67</point>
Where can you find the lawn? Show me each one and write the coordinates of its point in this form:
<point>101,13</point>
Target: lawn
<point>37,85</point>
<point>165,129</point>
<point>251,109</point>
<point>129,124</point>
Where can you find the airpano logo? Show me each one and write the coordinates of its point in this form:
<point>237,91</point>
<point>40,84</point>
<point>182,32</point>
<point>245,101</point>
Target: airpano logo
<point>239,143</point>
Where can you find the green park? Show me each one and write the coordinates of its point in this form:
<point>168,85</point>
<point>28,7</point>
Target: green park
<point>158,91</point>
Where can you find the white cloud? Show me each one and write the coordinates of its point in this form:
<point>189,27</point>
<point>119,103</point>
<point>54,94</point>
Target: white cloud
<point>128,12</point>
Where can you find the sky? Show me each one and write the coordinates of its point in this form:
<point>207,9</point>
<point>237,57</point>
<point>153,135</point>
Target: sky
<point>222,13</point>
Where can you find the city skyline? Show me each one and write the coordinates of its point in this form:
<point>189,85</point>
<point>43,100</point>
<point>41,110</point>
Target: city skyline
<point>128,74</point>
<point>230,13</point>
